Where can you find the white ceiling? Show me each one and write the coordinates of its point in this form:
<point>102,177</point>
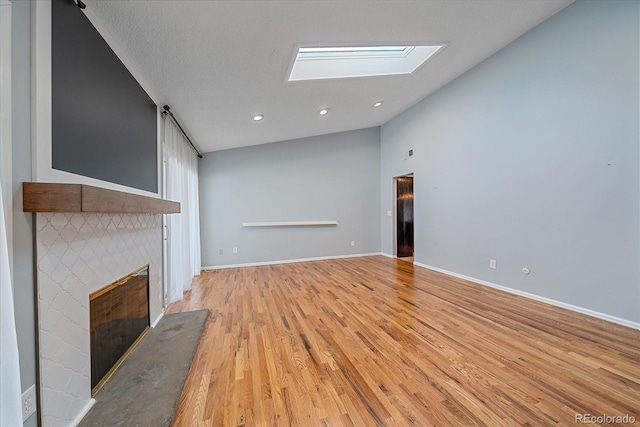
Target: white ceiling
<point>218,63</point>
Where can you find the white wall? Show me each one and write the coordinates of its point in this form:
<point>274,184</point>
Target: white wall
<point>532,158</point>
<point>24,293</point>
<point>329,177</point>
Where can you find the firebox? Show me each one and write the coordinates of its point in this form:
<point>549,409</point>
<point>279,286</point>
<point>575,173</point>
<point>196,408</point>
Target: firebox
<point>119,318</point>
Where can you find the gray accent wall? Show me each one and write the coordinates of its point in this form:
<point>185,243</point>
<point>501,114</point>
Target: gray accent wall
<point>104,125</point>
<point>329,177</point>
<point>23,285</point>
<point>532,159</point>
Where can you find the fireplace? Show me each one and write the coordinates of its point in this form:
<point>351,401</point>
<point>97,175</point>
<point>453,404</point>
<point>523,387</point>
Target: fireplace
<point>86,237</point>
<point>119,318</point>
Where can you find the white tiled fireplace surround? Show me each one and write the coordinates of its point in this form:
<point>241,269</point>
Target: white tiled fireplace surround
<point>78,254</point>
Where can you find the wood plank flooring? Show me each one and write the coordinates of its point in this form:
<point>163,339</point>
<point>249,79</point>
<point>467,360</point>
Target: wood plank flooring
<point>374,341</point>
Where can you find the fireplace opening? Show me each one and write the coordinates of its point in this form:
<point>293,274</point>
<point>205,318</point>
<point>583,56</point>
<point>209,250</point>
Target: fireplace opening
<point>119,318</point>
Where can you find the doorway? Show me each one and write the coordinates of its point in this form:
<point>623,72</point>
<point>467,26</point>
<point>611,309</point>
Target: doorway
<point>404,216</point>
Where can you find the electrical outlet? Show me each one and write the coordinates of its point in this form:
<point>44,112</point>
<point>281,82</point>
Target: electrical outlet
<point>353,243</point>
<point>493,264</point>
<point>235,250</point>
<point>28,402</point>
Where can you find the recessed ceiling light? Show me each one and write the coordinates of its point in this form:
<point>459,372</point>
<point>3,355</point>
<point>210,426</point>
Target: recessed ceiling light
<point>323,112</point>
<point>377,104</point>
<point>336,62</point>
<point>258,117</point>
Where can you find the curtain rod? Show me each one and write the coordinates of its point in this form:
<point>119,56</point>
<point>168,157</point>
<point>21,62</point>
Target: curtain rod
<point>167,111</point>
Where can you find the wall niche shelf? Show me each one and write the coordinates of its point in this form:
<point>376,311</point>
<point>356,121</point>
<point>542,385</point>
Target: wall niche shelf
<point>53,197</point>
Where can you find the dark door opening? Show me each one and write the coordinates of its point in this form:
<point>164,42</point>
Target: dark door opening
<point>404,216</point>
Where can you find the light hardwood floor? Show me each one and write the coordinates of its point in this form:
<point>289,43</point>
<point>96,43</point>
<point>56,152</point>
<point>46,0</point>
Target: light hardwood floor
<point>376,341</point>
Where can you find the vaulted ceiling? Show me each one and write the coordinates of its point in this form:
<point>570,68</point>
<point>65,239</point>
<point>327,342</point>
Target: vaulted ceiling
<point>219,63</point>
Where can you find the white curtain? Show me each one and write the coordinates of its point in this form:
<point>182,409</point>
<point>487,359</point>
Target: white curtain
<point>181,180</point>
<point>10,395</point>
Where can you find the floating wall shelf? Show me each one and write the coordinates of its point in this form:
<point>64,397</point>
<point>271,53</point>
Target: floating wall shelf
<point>288,223</point>
<point>52,197</point>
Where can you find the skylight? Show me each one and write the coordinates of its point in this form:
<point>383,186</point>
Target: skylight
<point>336,62</point>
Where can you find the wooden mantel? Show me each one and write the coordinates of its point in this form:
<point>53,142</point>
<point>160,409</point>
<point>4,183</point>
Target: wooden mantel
<point>50,197</point>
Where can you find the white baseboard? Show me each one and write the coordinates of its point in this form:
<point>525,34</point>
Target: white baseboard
<point>287,261</point>
<point>550,301</point>
<point>388,255</point>
<point>83,412</point>
<point>155,322</point>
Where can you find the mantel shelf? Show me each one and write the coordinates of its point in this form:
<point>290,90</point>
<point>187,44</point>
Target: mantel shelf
<point>53,197</point>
